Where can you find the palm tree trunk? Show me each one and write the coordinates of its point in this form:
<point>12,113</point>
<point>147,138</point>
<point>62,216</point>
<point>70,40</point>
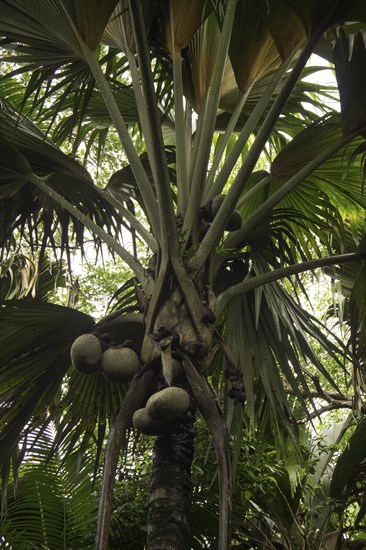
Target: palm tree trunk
<point>171,488</point>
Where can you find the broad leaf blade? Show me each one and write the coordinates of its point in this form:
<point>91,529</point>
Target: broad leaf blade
<point>351,458</point>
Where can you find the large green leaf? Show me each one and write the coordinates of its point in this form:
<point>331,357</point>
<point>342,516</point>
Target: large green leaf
<point>349,461</point>
<point>326,197</point>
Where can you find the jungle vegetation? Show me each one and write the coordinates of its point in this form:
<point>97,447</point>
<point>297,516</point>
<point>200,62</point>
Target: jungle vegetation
<point>191,144</point>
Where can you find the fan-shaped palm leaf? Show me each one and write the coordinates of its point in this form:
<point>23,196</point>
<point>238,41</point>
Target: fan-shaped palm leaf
<point>27,207</point>
<point>42,38</point>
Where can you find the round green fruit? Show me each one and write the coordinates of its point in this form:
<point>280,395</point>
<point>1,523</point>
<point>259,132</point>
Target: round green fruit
<point>166,405</point>
<point>143,423</point>
<point>86,353</point>
<point>120,364</point>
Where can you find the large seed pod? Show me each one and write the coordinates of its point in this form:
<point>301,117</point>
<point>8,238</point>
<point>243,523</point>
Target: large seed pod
<point>143,423</point>
<point>120,364</point>
<point>210,208</point>
<point>234,224</point>
<point>216,203</point>
<point>86,353</point>
<point>167,404</point>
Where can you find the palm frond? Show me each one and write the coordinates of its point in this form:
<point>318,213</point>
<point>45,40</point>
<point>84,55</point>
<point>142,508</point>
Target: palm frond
<point>51,500</point>
<point>294,183</point>
<point>268,333</point>
<point>25,207</point>
<point>122,183</point>
<point>23,276</point>
<point>42,41</point>
<point>35,360</point>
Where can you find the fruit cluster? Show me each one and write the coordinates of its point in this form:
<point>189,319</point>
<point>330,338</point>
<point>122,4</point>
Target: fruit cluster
<point>118,363</point>
<point>163,408</point>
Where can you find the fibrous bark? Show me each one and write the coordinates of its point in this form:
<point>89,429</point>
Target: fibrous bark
<point>171,488</point>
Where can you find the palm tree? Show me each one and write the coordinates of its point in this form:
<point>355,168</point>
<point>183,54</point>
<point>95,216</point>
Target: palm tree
<point>233,175</point>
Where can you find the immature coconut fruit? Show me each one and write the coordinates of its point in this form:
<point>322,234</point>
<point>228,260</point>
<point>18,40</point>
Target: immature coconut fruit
<point>210,209</point>
<point>216,203</point>
<point>120,364</point>
<point>166,405</point>
<point>235,221</point>
<point>143,423</point>
<point>86,353</point>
